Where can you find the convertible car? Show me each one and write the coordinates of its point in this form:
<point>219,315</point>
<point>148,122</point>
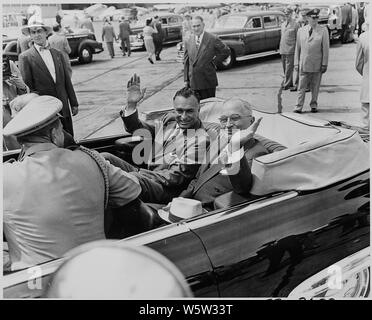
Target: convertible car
<point>303,232</point>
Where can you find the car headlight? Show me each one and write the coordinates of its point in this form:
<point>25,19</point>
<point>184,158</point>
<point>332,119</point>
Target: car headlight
<point>348,278</point>
<point>179,46</point>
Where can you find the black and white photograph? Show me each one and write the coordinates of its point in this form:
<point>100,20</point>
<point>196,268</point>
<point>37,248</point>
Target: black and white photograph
<point>186,150</point>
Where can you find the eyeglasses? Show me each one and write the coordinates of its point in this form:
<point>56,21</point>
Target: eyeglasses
<point>233,118</point>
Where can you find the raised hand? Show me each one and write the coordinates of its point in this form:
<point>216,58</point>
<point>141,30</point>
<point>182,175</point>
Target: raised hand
<point>134,92</point>
<point>241,137</point>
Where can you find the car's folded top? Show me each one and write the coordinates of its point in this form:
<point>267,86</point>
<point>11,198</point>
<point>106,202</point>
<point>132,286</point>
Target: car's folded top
<point>316,155</point>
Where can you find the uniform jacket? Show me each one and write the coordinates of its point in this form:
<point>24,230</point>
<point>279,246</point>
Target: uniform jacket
<point>362,64</point>
<point>200,65</point>
<point>38,78</point>
<point>124,30</point>
<point>209,183</point>
<point>168,166</point>
<point>60,42</point>
<point>54,201</point>
<point>288,37</point>
<point>312,51</point>
<point>108,33</point>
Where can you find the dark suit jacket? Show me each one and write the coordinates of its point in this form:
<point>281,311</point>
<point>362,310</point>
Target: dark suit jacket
<point>38,78</point>
<point>158,36</point>
<point>209,183</point>
<point>168,174</point>
<point>200,65</point>
<point>124,30</point>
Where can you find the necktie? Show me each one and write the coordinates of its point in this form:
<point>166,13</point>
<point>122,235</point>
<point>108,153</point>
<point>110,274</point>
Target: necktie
<point>46,47</point>
<point>197,42</point>
<point>310,31</point>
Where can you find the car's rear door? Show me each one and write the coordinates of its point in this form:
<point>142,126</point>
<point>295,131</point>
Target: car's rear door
<point>270,246</point>
<point>272,32</point>
<point>253,35</point>
<point>174,28</point>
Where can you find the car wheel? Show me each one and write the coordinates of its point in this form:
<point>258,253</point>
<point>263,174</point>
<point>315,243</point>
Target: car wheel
<point>228,62</point>
<point>85,54</point>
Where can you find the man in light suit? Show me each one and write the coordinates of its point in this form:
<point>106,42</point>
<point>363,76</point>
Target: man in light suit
<point>202,52</point>
<point>287,47</point>
<point>59,41</point>
<point>311,59</point>
<point>362,66</point>
<point>108,36</point>
<point>209,183</point>
<point>45,72</point>
<point>124,33</point>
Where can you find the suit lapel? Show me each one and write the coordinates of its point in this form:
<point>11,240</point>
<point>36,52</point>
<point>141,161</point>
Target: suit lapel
<point>57,64</point>
<point>39,62</point>
<point>202,47</point>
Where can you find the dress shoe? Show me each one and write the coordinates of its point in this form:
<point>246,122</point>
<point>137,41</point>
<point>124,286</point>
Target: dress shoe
<point>293,89</point>
<point>314,110</point>
<point>158,58</point>
<point>123,54</point>
<point>285,88</point>
<point>297,110</point>
<point>152,62</point>
<point>307,90</point>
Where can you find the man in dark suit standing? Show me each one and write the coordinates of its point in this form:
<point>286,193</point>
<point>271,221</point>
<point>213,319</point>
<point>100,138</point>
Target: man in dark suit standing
<point>124,33</point>
<point>45,72</point>
<point>158,37</point>
<point>202,52</point>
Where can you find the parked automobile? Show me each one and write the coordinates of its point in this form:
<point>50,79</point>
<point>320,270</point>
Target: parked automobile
<point>303,231</point>
<point>171,24</point>
<point>82,42</point>
<point>248,34</point>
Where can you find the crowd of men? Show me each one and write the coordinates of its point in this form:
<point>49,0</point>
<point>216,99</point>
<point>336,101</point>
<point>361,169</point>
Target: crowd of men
<point>66,188</point>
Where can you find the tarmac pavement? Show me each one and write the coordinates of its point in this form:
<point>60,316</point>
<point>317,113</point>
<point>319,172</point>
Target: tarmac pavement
<point>101,87</point>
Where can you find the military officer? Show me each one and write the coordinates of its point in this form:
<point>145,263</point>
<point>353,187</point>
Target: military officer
<point>54,198</point>
<point>311,59</point>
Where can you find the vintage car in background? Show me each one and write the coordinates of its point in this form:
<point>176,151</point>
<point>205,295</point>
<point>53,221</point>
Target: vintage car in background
<point>83,45</point>
<point>171,24</point>
<point>248,34</point>
<point>303,230</point>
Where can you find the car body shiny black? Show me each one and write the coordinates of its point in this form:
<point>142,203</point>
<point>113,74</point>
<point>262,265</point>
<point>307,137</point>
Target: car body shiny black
<point>171,25</point>
<point>295,243</point>
<point>248,34</point>
<point>83,45</point>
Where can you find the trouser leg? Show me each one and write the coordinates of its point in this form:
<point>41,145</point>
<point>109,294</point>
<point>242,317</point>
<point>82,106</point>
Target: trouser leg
<point>288,70</point>
<point>122,43</point>
<point>67,125</point>
<point>303,83</point>
<point>365,115</point>
<point>127,44</point>
<point>315,79</point>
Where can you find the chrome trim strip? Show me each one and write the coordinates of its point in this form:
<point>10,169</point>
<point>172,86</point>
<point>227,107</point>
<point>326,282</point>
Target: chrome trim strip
<point>257,55</point>
<point>215,218</point>
<point>137,240</point>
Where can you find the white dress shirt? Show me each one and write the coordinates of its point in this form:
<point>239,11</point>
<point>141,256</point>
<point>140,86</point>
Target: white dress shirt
<point>48,60</point>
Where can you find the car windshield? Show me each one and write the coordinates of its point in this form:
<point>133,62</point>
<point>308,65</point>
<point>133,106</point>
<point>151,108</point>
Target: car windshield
<point>231,22</point>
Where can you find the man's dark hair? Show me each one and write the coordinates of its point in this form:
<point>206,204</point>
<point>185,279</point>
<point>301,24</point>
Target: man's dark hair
<point>187,93</point>
<point>199,18</point>
<point>56,27</point>
<point>156,17</point>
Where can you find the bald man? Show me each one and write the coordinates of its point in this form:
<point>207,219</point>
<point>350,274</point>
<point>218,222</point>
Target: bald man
<point>209,182</point>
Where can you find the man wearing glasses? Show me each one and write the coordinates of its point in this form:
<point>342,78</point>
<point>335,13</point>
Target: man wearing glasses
<point>311,59</point>
<point>236,157</point>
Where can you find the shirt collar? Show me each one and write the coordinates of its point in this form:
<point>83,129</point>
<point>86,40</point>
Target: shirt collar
<point>38,147</point>
<point>200,37</point>
<point>38,47</point>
